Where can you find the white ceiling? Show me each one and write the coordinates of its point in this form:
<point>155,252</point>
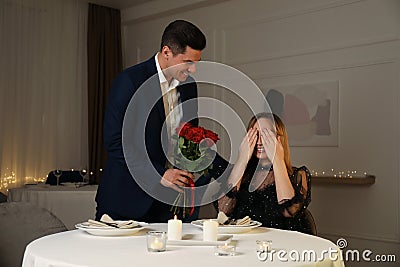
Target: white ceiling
<point>119,4</point>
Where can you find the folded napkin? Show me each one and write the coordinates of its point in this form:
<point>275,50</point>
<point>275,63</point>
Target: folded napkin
<point>225,220</point>
<point>107,222</point>
<point>244,221</point>
<point>222,218</point>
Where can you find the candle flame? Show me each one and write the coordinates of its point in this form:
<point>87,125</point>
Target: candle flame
<point>175,218</point>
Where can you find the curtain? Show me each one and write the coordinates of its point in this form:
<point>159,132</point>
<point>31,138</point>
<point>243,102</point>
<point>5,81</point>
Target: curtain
<point>43,89</point>
<point>104,62</point>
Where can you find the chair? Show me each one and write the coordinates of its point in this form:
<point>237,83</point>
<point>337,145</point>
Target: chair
<point>21,223</point>
<point>3,198</point>
<point>66,176</point>
<point>311,221</point>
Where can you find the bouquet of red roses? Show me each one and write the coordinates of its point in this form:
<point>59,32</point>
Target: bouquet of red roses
<point>193,153</point>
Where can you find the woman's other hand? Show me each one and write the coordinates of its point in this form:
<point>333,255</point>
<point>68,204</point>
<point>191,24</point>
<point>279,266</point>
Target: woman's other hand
<point>272,145</point>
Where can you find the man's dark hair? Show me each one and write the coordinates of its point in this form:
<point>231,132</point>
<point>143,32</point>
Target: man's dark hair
<point>179,34</point>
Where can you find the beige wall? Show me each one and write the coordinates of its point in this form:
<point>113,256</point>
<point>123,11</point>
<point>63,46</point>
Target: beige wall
<point>286,42</point>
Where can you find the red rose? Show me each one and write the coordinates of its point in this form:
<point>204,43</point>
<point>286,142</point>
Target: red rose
<point>195,134</point>
<point>183,128</point>
<point>213,136</point>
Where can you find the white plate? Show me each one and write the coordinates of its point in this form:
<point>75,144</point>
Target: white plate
<point>197,240</point>
<point>230,229</point>
<point>107,231</point>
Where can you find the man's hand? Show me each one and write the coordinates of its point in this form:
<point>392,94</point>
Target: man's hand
<point>175,178</point>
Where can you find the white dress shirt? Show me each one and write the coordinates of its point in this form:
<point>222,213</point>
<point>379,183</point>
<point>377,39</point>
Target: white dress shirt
<point>173,109</point>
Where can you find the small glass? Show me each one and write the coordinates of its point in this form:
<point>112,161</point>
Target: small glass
<point>225,250</point>
<point>156,241</point>
<point>83,173</point>
<point>263,245</point>
<point>57,173</point>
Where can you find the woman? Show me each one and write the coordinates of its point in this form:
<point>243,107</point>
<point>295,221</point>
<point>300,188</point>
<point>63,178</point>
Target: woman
<point>267,187</point>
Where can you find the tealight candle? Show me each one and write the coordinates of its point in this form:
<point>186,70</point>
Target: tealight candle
<point>225,250</point>
<point>263,245</point>
<point>174,229</point>
<point>156,241</point>
<point>210,230</point>
<point>157,244</point>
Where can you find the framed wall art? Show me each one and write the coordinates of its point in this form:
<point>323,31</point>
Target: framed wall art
<point>309,111</point>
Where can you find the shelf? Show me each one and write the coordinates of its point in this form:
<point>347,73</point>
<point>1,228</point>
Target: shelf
<point>366,180</point>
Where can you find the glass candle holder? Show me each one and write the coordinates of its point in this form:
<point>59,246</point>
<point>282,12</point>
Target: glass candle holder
<point>263,245</point>
<point>156,241</point>
<point>225,250</point>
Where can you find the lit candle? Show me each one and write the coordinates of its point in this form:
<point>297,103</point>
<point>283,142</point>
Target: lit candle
<point>225,250</point>
<point>157,244</point>
<point>174,229</point>
<point>263,245</point>
<point>210,230</point>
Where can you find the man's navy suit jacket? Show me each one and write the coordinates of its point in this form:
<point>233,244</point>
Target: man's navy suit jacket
<point>119,195</point>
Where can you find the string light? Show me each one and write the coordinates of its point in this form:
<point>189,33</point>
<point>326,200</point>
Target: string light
<point>9,179</point>
<point>339,174</point>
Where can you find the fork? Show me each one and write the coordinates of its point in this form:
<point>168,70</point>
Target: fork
<point>122,225</point>
<point>101,223</point>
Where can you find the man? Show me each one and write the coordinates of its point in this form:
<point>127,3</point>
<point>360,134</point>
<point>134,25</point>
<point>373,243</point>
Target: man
<point>135,170</point>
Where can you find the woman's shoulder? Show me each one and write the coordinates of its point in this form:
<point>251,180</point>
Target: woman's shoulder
<point>303,170</point>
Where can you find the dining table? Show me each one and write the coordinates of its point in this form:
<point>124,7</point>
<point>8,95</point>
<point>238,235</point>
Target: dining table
<point>80,248</point>
<point>70,202</point>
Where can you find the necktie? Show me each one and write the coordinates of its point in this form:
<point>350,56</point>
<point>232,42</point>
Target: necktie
<point>173,112</point>
<point>172,121</point>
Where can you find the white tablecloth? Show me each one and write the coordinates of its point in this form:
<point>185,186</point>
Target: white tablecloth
<point>77,248</point>
<point>71,205</point>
